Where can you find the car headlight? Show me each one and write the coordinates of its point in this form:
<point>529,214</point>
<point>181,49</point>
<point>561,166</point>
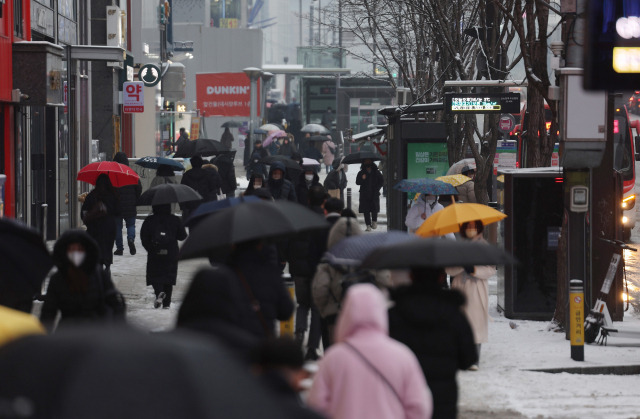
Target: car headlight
<point>628,202</point>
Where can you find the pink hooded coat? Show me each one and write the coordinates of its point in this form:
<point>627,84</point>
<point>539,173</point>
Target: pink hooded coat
<point>346,387</point>
<point>328,152</point>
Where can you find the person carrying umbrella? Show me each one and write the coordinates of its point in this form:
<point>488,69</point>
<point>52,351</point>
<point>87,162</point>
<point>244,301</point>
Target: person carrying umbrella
<point>127,197</point>
<point>159,234</point>
<point>425,312</point>
<point>81,290</point>
<point>280,187</point>
<point>227,139</point>
<point>227,172</point>
<point>183,141</point>
<point>308,178</point>
<point>328,154</point>
<point>466,191</point>
<point>473,282</point>
<point>99,212</point>
<point>370,180</point>
<point>421,210</point>
<point>206,182</point>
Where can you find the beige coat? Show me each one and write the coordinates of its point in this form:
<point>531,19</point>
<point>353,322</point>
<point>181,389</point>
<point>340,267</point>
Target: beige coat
<point>466,192</point>
<point>476,291</point>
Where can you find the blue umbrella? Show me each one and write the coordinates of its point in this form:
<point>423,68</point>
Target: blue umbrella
<point>426,186</point>
<point>211,207</point>
<point>151,162</point>
<point>352,250</point>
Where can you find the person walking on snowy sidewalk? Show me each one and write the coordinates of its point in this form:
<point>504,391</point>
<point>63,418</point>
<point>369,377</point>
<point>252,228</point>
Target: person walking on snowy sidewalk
<point>473,282</point>
<point>159,234</point>
<point>366,374</point>
<point>370,180</point>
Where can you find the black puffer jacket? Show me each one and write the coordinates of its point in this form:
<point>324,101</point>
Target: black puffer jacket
<point>370,185</point>
<point>302,188</point>
<point>127,195</point>
<point>78,296</point>
<point>429,320</point>
<point>227,172</point>
<point>206,182</point>
<point>281,188</point>
<point>102,230</point>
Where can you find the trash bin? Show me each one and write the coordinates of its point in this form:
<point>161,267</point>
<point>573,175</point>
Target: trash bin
<point>533,202</point>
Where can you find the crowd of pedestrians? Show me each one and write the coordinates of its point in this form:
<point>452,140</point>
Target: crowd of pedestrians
<point>375,361</point>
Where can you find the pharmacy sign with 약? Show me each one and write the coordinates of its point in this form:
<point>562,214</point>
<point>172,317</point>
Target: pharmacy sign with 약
<point>133,97</point>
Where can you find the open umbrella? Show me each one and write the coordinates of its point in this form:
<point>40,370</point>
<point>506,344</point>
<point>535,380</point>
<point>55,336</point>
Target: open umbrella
<point>24,260</point>
<point>15,324</point>
<point>448,220</point>
<point>318,138</point>
<point>360,157</point>
<point>211,207</point>
<point>272,136</point>
<point>201,147</point>
<point>151,162</point>
<point>435,253</point>
<point>288,162</point>
<point>309,162</point>
<point>103,373</point>
<point>426,186</point>
<point>249,221</point>
<point>168,193</point>
<point>119,174</point>
<point>231,124</point>
<point>456,168</point>
<point>315,129</point>
<point>454,180</point>
<point>271,127</point>
<point>353,250</point>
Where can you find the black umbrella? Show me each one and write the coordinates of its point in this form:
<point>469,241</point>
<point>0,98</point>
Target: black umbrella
<point>360,157</point>
<point>318,138</point>
<point>436,253</point>
<point>152,162</point>
<point>105,373</point>
<point>207,208</point>
<point>200,147</point>
<point>231,124</point>
<point>288,162</point>
<point>24,260</point>
<point>249,221</point>
<point>168,193</point>
<point>354,249</point>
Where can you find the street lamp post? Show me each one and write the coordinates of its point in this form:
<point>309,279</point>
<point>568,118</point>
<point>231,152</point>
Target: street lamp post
<point>266,76</point>
<point>253,73</point>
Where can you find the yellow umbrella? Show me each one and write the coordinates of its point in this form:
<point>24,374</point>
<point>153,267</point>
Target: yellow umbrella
<point>448,220</point>
<point>15,324</point>
<point>455,180</point>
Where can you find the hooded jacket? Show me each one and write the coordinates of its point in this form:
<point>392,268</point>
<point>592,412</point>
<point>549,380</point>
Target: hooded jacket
<point>346,386</point>
<point>78,298</point>
<point>103,229</point>
<point>414,219</point>
<point>302,188</point>
<point>227,172</point>
<point>370,185</point>
<point>127,195</point>
<point>429,320</point>
<point>281,188</point>
<point>206,182</point>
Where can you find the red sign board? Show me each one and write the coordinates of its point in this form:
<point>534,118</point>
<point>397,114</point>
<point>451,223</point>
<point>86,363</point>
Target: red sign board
<point>225,94</point>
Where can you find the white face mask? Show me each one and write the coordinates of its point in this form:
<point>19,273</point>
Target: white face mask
<point>430,199</point>
<point>471,232</point>
<point>76,257</point>
<point>309,178</point>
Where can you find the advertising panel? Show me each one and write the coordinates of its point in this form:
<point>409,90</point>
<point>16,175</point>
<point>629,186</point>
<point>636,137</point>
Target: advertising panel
<point>427,160</point>
<point>225,94</point>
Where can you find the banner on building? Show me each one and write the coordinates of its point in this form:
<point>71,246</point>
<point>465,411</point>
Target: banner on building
<point>225,94</point>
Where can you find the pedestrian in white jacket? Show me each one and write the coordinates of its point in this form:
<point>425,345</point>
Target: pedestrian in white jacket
<point>421,209</point>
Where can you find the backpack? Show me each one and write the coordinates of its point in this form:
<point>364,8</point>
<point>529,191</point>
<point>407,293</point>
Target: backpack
<point>164,237</point>
<point>356,277</point>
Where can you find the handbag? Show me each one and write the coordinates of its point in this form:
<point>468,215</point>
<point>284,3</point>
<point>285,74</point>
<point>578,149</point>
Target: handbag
<point>98,210</point>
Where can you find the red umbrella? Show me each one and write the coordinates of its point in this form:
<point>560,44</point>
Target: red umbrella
<point>119,174</point>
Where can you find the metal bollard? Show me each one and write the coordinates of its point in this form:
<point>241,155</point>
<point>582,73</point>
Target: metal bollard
<point>286,326</point>
<point>349,198</point>
<point>576,316</point>
<point>45,208</point>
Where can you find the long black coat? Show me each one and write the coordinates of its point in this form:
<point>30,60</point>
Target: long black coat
<point>369,189</point>
<point>78,298</point>
<point>102,230</point>
<point>430,322</point>
<point>204,181</point>
<point>162,269</point>
<point>227,172</point>
<point>127,195</point>
<point>266,285</point>
<point>302,188</point>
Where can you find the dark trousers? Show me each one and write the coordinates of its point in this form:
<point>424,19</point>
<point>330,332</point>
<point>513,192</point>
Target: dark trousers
<point>167,289</point>
<point>130,222</point>
<point>305,305</point>
<point>369,217</point>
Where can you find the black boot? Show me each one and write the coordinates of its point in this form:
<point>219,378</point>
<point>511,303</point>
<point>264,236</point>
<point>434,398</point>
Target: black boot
<point>132,247</point>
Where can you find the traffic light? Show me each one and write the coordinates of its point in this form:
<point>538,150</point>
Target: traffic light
<point>161,15</point>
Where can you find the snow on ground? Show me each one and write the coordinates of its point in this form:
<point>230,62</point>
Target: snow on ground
<point>505,385</point>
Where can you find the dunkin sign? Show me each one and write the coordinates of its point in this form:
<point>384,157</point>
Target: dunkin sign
<point>225,94</point>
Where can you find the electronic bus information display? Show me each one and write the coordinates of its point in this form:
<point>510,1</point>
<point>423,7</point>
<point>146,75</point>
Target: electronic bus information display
<point>482,102</point>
